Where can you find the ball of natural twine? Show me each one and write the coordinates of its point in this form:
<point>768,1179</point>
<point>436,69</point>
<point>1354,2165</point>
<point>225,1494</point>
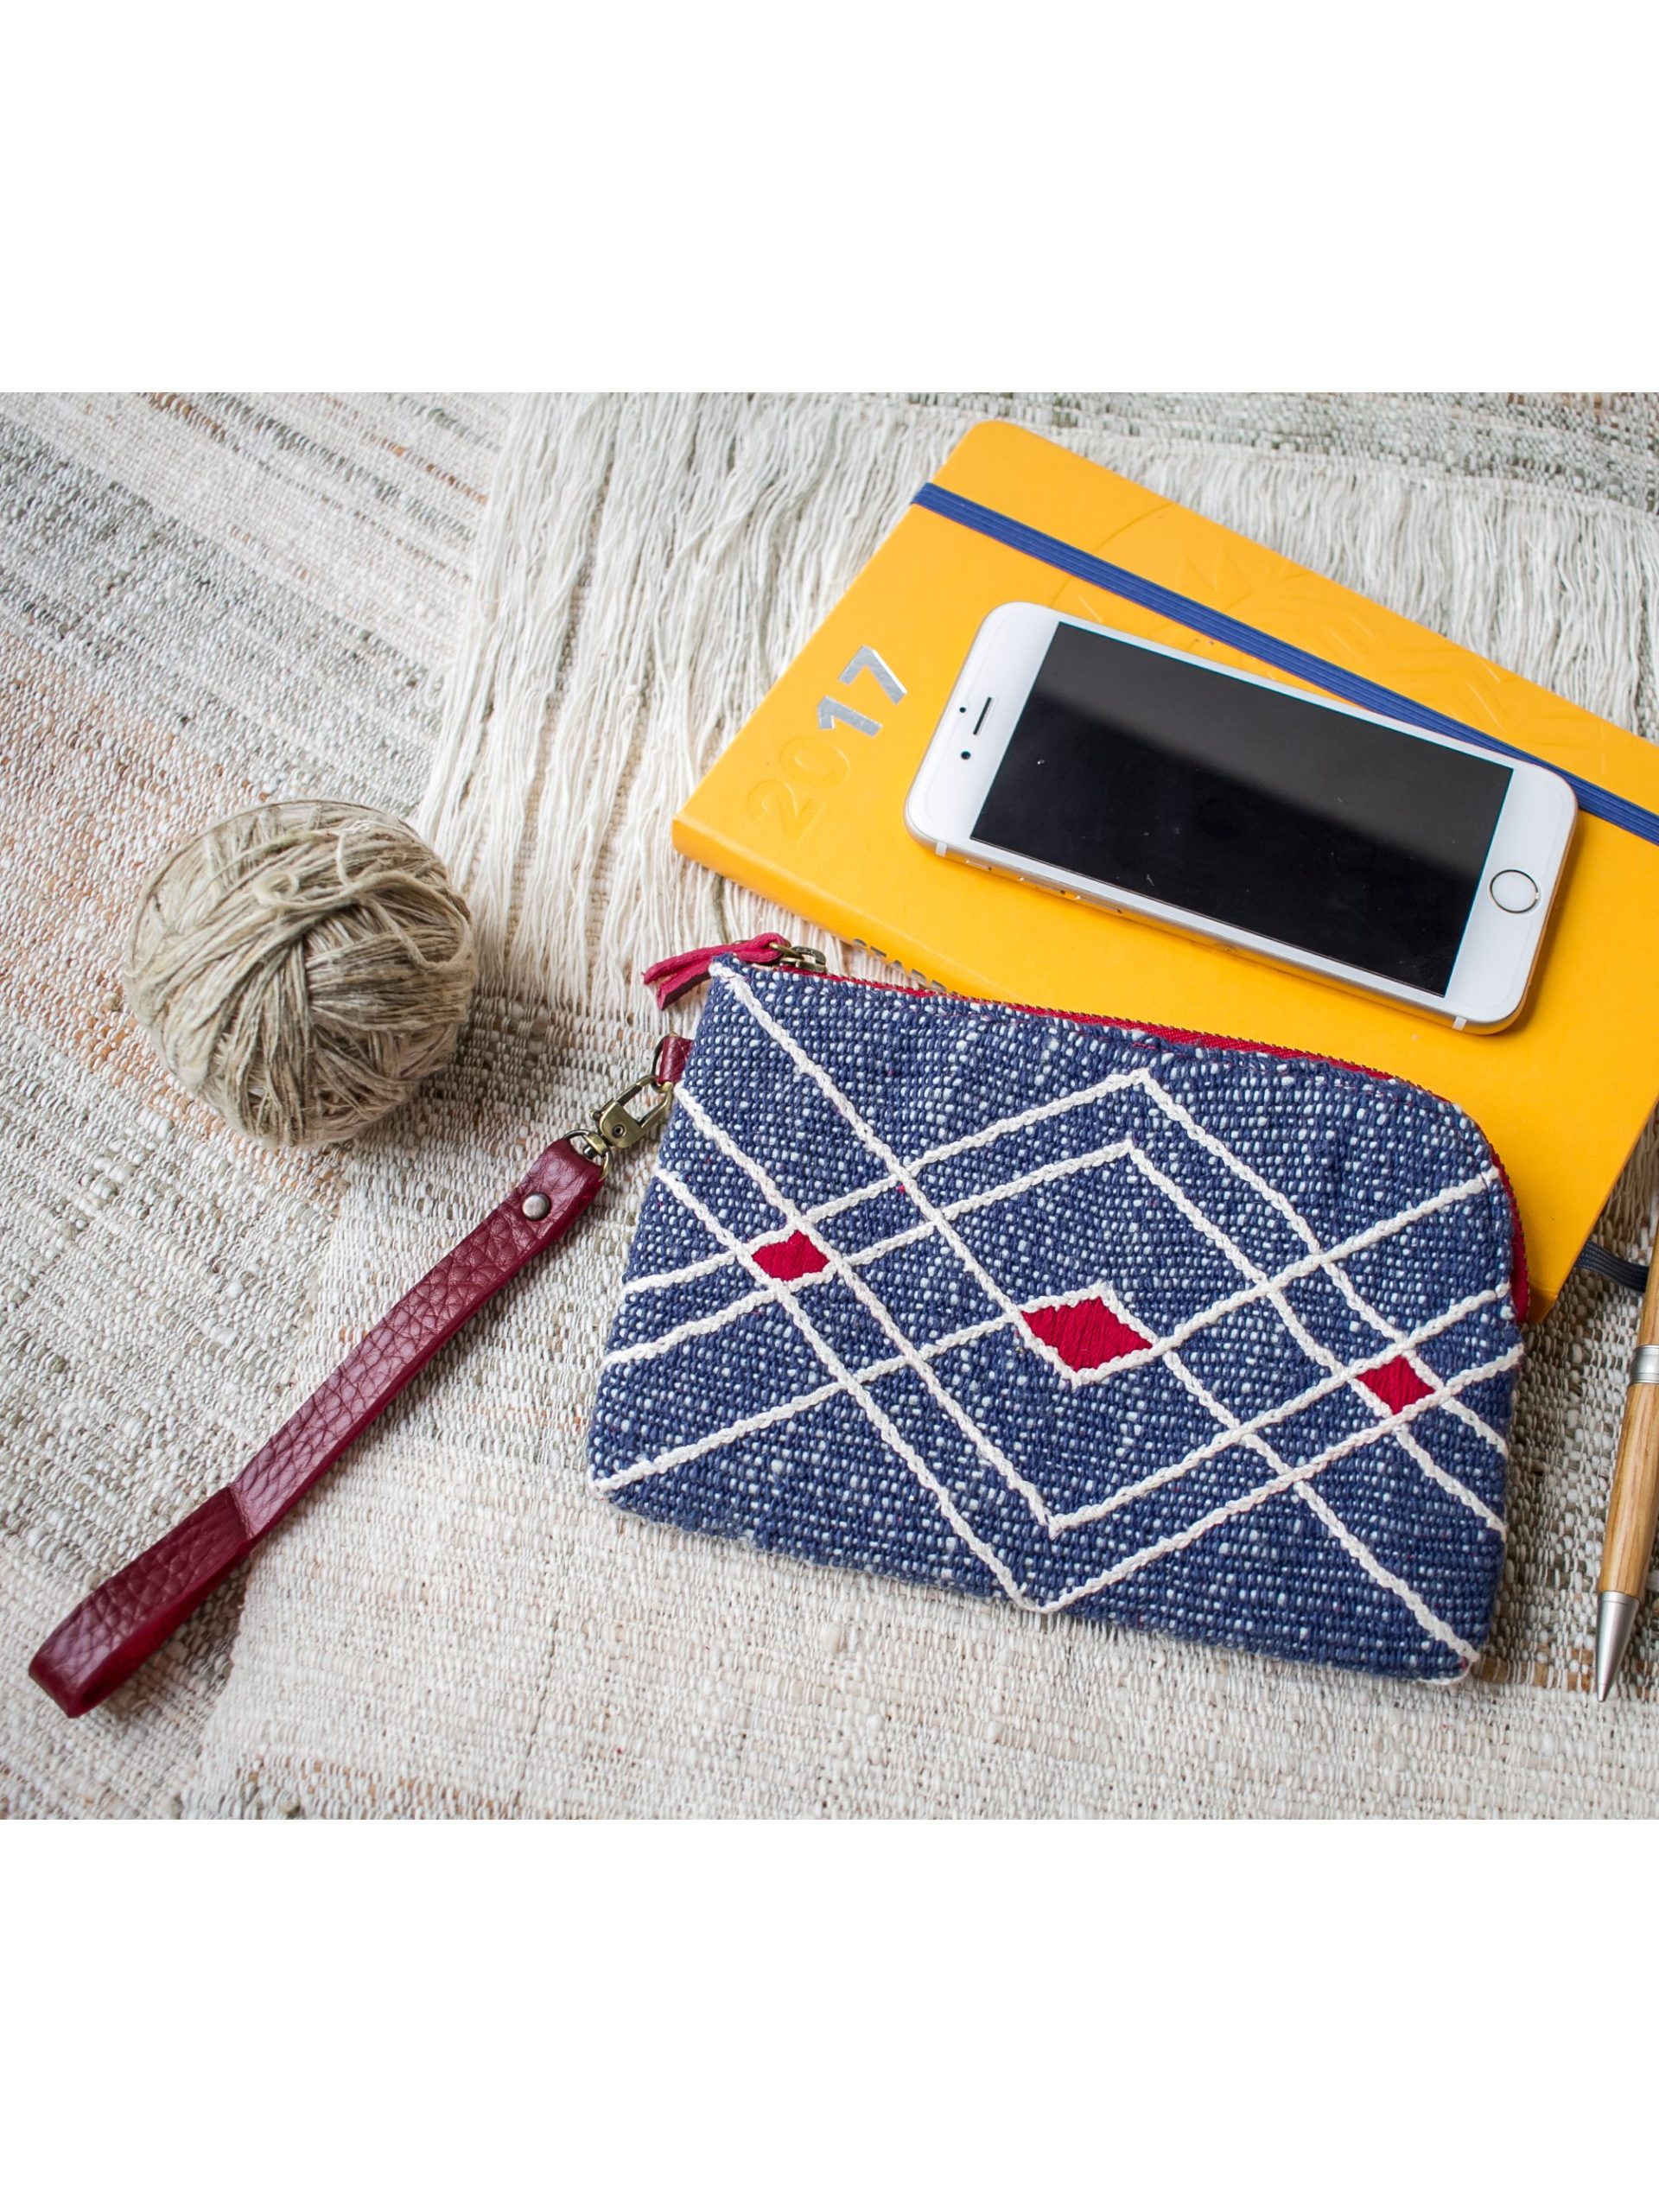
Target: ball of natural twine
<point>301,967</point>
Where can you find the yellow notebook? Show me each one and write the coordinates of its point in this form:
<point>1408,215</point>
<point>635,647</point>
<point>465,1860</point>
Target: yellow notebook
<point>806,806</point>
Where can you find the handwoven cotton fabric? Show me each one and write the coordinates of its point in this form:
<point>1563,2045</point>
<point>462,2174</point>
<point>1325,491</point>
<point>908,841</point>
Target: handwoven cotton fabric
<point>1202,1339</point>
<point>534,624</point>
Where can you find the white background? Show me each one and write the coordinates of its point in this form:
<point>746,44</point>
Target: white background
<point>1052,196</point>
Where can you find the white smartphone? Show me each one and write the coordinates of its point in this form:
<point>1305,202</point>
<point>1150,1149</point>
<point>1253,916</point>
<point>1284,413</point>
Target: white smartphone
<point>1155,784</point>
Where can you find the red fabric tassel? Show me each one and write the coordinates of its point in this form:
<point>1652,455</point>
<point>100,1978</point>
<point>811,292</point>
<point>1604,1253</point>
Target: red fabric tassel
<point>672,979</point>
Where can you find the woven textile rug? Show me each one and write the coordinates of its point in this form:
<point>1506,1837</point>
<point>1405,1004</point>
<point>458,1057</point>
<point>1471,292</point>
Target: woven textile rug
<point>531,625</point>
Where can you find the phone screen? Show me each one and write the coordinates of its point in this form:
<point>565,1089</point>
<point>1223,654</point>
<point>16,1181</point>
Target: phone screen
<point>1358,843</point>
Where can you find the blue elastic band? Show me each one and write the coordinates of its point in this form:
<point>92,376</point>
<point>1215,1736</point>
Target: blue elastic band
<point>1375,698</point>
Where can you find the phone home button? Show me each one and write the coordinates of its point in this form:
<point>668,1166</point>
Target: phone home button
<point>1514,890</point>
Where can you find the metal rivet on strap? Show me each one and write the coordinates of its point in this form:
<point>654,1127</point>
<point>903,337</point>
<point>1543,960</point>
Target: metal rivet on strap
<point>538,1206</point>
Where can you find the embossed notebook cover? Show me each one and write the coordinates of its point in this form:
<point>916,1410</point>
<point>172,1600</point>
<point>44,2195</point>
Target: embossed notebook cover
<point>806,805</point>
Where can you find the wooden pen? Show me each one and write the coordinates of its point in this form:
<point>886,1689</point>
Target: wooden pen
<point>1633,1509</point>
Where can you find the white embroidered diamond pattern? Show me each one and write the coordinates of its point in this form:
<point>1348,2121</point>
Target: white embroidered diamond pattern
<point>775,1259</point>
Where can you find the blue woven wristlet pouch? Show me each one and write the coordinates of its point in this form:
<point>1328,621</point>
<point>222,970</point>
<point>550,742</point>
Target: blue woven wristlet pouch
<point>1180,1332</point>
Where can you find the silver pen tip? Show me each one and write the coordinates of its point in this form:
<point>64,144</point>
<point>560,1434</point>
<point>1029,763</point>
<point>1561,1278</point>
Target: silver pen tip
<point>1615,1625</point>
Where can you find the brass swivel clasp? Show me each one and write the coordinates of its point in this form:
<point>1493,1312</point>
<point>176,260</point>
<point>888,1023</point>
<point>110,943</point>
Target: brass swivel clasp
<point>637,1115</point>
<point>633,1117</point>
<point>625,1122</point>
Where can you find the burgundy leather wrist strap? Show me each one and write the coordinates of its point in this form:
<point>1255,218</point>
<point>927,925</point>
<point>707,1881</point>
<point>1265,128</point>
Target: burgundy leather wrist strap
<point>110,1634</point>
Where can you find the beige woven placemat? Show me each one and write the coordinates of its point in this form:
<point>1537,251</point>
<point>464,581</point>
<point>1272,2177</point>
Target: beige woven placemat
<point>202,603</point>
